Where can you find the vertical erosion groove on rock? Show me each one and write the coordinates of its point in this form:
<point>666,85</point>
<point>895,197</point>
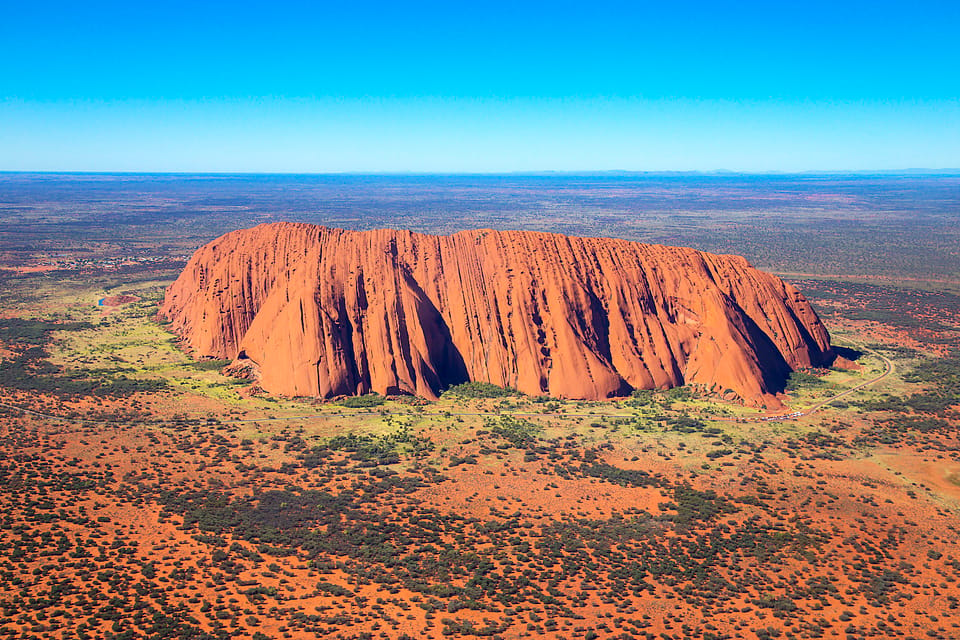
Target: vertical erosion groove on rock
<point>327,312</point>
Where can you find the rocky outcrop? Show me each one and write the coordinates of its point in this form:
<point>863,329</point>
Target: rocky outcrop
<point>327,312</point>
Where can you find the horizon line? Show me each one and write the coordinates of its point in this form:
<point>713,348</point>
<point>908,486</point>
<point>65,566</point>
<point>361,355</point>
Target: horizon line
<point>537,172</point>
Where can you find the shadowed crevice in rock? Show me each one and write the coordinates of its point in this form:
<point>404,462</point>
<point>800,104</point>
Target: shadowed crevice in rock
<point>443,366</point>
<point>822,358</point>
<point>773,365</point>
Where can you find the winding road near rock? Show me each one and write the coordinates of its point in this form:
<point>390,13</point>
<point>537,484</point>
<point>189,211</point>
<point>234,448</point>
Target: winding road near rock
<point>888,369</point>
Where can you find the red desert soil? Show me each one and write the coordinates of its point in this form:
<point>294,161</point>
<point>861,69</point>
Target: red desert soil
<point>326,312</point>
<point>820,546</point>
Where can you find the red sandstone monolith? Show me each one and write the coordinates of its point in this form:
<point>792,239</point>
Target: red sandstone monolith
<point>327,312</point>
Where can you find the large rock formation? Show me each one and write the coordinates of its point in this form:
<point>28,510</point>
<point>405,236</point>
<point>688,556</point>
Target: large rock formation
<point>326,312</point>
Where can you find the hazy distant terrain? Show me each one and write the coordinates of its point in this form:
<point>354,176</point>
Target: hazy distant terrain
<point>868,225</point>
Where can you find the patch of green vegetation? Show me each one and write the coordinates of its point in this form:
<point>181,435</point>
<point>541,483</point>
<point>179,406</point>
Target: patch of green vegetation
<point>362,402</point>
<point>479,390</point>
<point>641,398</point>
<point>208,365</point>
<point>801,379</point>
<point>35,332</point>
<point>687,424</point>
<point>679,394</point>
<point>693,505</point>
<point>943,375</point>
<point>927,411</point>
<point>31,371</point>
<point>518,432</point>
<point>623,477</point>
<point>885,402</point>
<point>368,450</point>
<point>922,424</point>
<point>332,589</point>
<point>894,351</point>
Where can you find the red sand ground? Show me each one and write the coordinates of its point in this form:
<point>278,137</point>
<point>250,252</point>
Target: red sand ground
<point>883,512</point>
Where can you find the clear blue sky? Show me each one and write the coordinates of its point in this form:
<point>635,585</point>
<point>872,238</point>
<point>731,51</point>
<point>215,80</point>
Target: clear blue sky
<point>450,87</point>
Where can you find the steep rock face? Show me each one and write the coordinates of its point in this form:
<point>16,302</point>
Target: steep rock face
<point>327,312</point>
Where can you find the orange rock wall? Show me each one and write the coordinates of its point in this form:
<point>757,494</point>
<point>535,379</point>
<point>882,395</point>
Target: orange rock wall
<point>327,312</point>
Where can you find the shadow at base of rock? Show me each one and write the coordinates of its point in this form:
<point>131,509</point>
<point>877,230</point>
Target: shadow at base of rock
<point>845,352</point>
